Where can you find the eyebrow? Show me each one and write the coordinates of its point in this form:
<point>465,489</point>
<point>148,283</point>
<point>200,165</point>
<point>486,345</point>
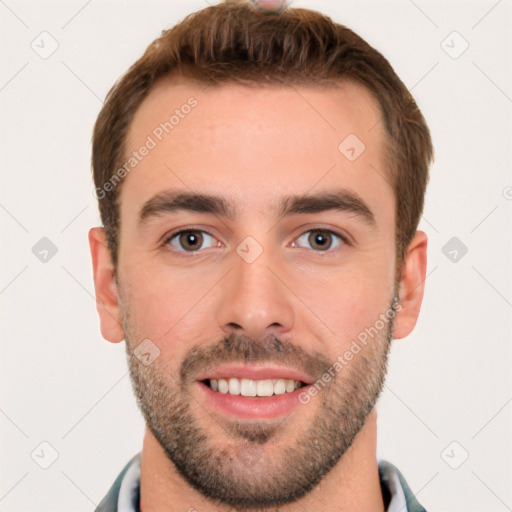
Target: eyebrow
<point>172,201</point>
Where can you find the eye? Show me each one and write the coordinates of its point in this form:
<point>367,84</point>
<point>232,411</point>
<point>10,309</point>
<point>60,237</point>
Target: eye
<point>190,240</point>
<point>320,239</point>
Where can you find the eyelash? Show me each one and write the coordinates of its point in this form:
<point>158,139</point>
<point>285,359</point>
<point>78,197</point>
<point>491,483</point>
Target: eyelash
<point>343,239</point>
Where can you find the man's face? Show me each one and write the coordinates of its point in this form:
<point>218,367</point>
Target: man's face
<point>261,296</point>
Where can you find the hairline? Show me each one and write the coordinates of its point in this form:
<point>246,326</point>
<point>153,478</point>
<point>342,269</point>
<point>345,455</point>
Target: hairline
<point>389,149</point>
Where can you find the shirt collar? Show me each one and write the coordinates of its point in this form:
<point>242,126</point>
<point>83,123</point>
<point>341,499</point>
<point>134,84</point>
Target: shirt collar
<point>129,492</point>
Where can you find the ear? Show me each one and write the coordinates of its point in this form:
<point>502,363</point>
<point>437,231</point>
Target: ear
<point>411,287</point>
<point>105,287</point>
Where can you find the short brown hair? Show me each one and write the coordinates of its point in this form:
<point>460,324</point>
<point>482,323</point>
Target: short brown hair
<point>233,42</point>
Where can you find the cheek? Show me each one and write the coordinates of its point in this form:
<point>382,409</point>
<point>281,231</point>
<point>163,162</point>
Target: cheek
<point>168,305</point>
<point>339,308</point>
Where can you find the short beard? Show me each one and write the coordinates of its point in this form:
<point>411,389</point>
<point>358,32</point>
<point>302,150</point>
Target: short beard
<point>256,466</point>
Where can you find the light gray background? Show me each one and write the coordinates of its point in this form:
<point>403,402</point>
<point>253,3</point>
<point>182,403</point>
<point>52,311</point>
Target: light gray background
<point>64,385</point>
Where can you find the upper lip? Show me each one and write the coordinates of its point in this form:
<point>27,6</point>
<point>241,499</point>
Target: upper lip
<point>256,372</point>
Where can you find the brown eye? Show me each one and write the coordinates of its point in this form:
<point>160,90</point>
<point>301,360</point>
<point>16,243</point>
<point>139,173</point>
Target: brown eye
<point>190,240</point>
<point>320,239</point>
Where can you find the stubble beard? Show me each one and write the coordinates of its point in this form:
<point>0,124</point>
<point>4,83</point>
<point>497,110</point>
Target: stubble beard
<point>256,465</point>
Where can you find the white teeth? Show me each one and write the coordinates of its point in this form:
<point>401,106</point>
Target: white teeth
<point>234,386</point>
<point>223,386</point>
<point>265,388</point>
<point>248,387</point>
<point>290,386</point>
<point>251,388</point>
<point>280,387</point>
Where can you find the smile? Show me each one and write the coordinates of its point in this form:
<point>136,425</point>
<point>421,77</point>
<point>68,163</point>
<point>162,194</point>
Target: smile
<point>252,391</point>
<point>253,388</point>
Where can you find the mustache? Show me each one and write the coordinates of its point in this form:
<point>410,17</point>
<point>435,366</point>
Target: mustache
<point>239,348</point>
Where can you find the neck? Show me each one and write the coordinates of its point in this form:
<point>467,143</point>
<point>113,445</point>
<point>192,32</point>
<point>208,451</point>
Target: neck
<point>353,484</point>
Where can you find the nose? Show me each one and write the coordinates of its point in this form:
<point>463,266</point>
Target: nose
<point>255,300</point>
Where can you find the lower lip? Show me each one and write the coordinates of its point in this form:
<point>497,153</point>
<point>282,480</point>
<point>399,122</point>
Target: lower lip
<point>250,407</point>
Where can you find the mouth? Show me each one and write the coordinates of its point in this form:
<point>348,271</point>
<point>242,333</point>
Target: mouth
<point>253,388</point>
<point>252,392</point>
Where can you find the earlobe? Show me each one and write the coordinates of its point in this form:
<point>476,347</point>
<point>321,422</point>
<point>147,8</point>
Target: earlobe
<point>411,286</point>
<point>105,287</point>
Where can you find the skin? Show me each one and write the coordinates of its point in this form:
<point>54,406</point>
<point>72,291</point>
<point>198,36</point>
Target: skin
<point>253,146</point>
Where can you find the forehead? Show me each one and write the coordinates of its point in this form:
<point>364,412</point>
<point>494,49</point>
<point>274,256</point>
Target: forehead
<point>254,144</point>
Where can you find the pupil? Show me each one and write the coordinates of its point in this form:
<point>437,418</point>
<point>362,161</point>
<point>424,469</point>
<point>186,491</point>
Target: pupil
<point>191,239</point>
<point>320,239</point>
